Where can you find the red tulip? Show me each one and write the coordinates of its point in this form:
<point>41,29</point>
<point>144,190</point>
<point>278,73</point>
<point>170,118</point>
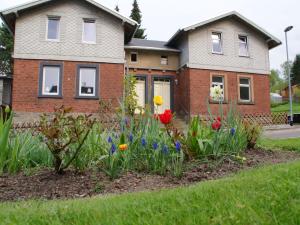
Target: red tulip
<point>219,119</point>
<point>216,125</point>
<point>166,117</point>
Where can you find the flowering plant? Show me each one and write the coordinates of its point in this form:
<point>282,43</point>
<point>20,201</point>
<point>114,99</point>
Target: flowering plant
<point>158,100</point>
<point>166,117</point>
<point>217,93</point>
<point>216,125</point>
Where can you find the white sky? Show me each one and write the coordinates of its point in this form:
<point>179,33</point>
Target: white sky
<point>162,18</point>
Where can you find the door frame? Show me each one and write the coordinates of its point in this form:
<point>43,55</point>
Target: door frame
<point>145,78</point>
<point>153,77</point>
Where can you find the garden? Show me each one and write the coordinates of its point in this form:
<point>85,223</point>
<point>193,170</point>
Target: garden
<point>67,156</point>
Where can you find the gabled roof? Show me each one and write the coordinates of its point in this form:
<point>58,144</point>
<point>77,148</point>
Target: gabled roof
<point>6,14</point>
<point>136,43</point>
<point>272,41</point>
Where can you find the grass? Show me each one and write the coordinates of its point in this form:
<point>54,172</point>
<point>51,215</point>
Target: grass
<point>291,144</point>
<point>269,195</point>
<point>286,108</point>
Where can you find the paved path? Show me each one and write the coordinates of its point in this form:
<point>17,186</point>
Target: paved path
<point>287,132</point>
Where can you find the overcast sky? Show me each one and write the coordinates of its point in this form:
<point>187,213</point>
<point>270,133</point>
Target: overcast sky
<point>162,18</point>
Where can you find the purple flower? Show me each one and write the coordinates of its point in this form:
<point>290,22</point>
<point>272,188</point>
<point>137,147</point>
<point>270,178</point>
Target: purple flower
<point>131,138</point>
<point>155,145</point>
<point>144,142</point>
<point>113,149</point>
<point>109,140</point>
<point>165,150</point>
<point>178,146</point>
<point>232,131</point>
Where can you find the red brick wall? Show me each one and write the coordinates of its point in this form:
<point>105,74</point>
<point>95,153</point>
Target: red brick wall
<point>26,82</point>
<point>199,81</point>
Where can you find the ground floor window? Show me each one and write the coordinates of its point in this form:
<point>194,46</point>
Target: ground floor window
<point>87,81</point>
<point>218,80</point>
<point>245,89</point>
<point>50,80</point>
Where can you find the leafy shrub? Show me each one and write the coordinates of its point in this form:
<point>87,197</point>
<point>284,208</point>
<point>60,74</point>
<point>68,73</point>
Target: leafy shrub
<point>65,135</point>
<point>253,132</point>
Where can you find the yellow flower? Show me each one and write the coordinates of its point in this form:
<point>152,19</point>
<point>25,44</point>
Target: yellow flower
<point>123,147</point>
<point>216,93</point>
<point>158,100</point>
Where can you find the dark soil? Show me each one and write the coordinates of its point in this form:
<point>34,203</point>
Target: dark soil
<point>46,184</point>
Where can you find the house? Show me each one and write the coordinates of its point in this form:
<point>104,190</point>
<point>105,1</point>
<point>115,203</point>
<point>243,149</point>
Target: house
<point>71,52</point>
<point>295,89</point>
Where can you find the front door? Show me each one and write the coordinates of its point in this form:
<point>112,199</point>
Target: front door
<point>140,89</point>
<point>162,87</point>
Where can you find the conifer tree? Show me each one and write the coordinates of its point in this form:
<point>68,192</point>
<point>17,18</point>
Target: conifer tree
<point>136,15</point>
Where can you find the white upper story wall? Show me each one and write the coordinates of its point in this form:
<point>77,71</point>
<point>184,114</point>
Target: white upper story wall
<point>31,28</point>
<point>201,55</point>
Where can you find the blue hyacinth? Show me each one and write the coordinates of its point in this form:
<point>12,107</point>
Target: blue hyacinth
<point>178,146</point>
<point>113,149</point>
<point>155,145</point>
<point>131,138</point>
<point>144,142</point>
<point>109,140</point>
<point>232,131</point>
<point>165,150</point>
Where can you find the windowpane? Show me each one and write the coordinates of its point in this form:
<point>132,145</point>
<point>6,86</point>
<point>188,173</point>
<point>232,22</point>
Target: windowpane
<point>218,81</point>
<point>133,57</point>
<point>164,60</point>
<point>51,80</point>
<point>216,42</point>
<point>89,31</point>
<point>245,93</point>
<point>87,82</point>
<point>243,45</point>
<point>244,81</point>
<point>53,29</point>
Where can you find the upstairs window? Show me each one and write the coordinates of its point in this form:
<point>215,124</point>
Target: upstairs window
<point>89,31</point>
<point>216,42</point>
<point>134,57</point>
<point>164,60</point>
<point>243,45</point>
<point>245,89</point>
<point>53,28</point>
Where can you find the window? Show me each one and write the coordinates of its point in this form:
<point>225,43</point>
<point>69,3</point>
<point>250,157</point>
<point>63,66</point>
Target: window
<point>50,81</point>
<point>243,45</point>
<point>87,81</point>
<point>216,42</point>
<point>53,28</point>
<point>218,81</point>
<point>164,60</point>
<point>245,89</point>
<point>89,31</point>
<point>133,57</point>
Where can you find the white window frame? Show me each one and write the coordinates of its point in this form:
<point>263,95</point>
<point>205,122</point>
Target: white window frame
<point>247,45</point>
<point>95,81</point>
<point>47,28</point>
<point>164,58</point>
<point>245,85</point>
<point>137,57</point>
<point>221,42</point>
<point>43,82</point>
<point>218,83</point>
<point>89,42</point>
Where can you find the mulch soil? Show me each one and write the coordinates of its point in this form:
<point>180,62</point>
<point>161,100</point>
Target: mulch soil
<point>45,184</point>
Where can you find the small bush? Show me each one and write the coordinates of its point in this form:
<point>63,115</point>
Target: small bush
<point>253,132</point>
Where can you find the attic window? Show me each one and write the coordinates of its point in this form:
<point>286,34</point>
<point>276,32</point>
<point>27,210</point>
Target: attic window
<point>164,60</point>
<point>133,57</point>
<point>216,42</point>
<point>89,31</point>
<point>243,45</point>
<point>53,28</point>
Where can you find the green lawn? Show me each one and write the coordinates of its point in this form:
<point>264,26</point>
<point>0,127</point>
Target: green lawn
<point>269,195</point>
<point>286,108</point>
<point>292,144</point>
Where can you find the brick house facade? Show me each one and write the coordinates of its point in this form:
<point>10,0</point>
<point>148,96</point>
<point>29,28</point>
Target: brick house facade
<point>72,53</point>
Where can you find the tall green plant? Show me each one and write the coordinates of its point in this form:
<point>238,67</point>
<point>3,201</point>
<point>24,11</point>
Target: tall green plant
<point>5,127</point>
<point>130,101</point>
